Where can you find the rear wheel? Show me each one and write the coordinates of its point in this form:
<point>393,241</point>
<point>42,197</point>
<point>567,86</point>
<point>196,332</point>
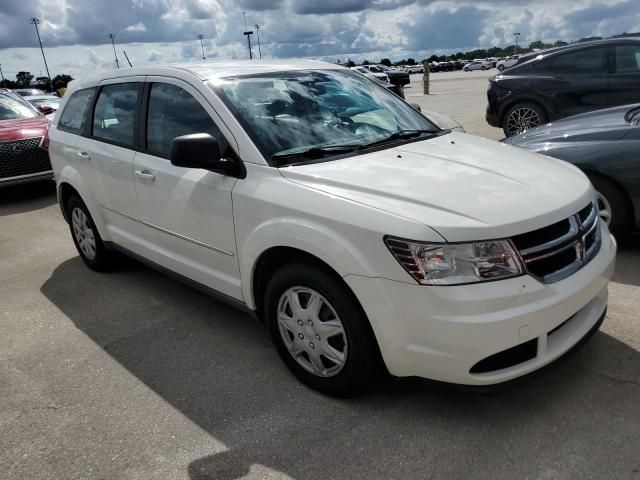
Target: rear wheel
<point>483,68</point>
<point>319,330</point>
<point>522,117</point>
<point>613,207</point>
<point>466,69</point>
<point>500,67</point>
<point>85,235</point>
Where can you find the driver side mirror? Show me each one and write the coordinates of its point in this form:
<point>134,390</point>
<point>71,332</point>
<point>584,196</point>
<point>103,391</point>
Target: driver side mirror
<point>46,109</point>
<point>416,107</point>
<point>201,150</point>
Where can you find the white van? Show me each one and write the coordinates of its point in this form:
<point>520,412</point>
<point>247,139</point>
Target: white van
<point>362,234</point>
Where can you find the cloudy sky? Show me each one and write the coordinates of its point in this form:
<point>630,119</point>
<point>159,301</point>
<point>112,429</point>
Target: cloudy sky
<point>160,31</point>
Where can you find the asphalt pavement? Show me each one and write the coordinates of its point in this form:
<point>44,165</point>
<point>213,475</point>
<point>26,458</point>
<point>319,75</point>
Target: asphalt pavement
<point>132,375</point>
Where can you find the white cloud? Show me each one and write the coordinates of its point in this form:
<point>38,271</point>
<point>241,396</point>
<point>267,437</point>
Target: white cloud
<point>138,27</point>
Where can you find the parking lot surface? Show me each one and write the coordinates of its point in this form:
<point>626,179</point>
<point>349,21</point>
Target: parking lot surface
<point>132,375</point>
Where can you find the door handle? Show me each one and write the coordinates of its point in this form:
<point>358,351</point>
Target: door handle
<point>145,175</point>
<point>84,155</point>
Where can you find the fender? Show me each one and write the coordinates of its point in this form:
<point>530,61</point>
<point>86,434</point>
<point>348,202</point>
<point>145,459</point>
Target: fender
<point>71,176</point>
<point>315,238</point>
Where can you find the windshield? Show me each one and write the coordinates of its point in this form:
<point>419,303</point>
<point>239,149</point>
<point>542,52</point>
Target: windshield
<point>286,113</point>
<point>12,108</point>
<point>53,102</point>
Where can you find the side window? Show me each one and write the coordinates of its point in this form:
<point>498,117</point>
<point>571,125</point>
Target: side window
<point>73,116</point>
<point>174,112</point>
<point>592,60</point>
<point>628,59</point>
<point>115,112</point>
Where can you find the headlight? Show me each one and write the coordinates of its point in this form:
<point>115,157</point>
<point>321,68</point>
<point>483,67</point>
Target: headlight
<point>456,263</point>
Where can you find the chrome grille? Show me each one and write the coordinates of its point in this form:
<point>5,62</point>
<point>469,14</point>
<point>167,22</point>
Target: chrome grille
<point>559,250</point>
<point>23,157</point>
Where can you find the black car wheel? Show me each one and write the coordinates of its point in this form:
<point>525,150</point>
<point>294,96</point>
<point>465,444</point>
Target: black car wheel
<point>483,68</point>
<point>466,69</point>
<point>500,67</point>
<point>613,207</point>
<point>522,117</point>
<point>320,331</point>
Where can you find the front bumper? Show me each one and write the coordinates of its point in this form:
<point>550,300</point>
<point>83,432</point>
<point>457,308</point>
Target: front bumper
<point>441,333</point>
<point>32,177</point>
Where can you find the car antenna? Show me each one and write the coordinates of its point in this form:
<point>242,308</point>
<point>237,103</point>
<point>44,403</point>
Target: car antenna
<point>125,56</point>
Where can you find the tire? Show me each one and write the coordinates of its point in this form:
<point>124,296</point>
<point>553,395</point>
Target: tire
<point>466,69</point>
<point>86,236</point>
<point>483,68</point>
<point>500,68</point>
<point>339,328</point>
<point>522,117</point>
<point>611,198</point>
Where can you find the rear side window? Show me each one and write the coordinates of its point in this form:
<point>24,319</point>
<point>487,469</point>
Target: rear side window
<point>73,116</point>
<point>628,59</point>
<point>174,112</point>
<point>592,60</point>
<point>115,113</point>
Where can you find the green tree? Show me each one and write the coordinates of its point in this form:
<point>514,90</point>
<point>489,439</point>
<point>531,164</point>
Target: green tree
<point>385,61</point>
<point>23,79</point>
<point>365,62</point>
<point>433,58</point>
<point>350,63</point>
<point>411,61</point>
<point>63,78</point>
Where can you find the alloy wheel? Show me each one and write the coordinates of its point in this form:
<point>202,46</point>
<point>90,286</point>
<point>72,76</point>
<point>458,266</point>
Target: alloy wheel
<point>604,208</point>
<point>312,331</point>
<point>84,233</point>
<point>522,119</point>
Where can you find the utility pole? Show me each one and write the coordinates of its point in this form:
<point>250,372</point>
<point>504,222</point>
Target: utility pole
<point>1,74</point>
<point>113,44</point>
<point>35,21</point>
<point>516,35</point>
<point>248,33</point>
<point>127,57</point>
<point>200,37</point>
<point>258,33</point>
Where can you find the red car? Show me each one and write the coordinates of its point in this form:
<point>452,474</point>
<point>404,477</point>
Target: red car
<point>24,141</point>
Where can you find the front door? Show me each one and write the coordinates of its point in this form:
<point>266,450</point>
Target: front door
<point>186,213</point>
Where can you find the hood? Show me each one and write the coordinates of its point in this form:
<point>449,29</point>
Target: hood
<point>442,121</point>
<point>464,187</point>
<point>600,125</point>
<point>16,129</point>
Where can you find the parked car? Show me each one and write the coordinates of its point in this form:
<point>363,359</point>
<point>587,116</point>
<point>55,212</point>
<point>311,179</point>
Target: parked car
<point>418,68</point>
<point>27,92</point>
<point>23,142</point>
<point>395,77</point>
<point>383,77</point>
<point>46,104</point>
<point>481,65</point>
<point>604,144</point>
<point>563,82</point>
<point>358,230</point>
<point>507,62</point>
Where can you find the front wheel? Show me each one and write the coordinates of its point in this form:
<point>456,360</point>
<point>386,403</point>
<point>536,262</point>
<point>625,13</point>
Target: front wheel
<point>500,67</point>
<point>319,330</point>
<point>483,68</point>
<point>522,117</point>
<point>613,207</point>
<point>466,69</point>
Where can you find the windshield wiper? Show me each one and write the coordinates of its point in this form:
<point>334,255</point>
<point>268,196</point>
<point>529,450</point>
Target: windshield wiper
<point>314,153</point>
<point>401,135</point>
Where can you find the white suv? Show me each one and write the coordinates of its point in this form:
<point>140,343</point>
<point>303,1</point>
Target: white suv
<point>361,233</point>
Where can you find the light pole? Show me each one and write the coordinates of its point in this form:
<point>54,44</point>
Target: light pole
<point>258,33</point>
<point>1,74</point>
<point>200,37</point>
<point>35,21</point>
<point>516,35</point>
<point>113,44</point>
<point>248,34</point>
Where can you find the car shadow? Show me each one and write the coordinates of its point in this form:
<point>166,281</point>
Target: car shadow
<point>217,366</point>
<point>27,197</point>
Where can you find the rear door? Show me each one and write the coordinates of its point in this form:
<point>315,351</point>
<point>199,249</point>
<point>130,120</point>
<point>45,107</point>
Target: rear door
<point>108,150</point>
<point>578,81</point>
<point>624,80</point>
<point>186,213</point>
